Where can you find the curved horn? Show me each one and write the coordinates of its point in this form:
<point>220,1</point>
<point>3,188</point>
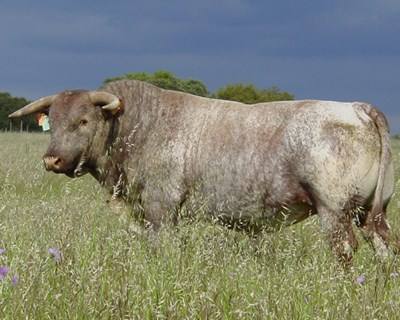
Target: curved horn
<point>33,107</point>
<point>112,102</point>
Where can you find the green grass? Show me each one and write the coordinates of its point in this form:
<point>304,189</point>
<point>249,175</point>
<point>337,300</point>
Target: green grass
<point>195,271</point>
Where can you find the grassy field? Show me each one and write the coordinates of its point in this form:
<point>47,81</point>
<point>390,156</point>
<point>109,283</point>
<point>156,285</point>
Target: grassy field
<point>68,256</point>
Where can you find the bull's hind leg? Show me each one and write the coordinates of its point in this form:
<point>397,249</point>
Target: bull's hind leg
<point>375,230</point>
<point>338,228</point>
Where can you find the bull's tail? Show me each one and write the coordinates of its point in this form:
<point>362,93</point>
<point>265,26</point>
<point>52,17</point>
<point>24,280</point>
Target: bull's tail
<point>385,156</point>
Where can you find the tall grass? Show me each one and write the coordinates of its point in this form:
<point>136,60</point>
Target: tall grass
<point>194,271</point>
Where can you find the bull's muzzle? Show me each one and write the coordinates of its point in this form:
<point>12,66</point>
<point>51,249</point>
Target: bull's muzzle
<point>52,163</point>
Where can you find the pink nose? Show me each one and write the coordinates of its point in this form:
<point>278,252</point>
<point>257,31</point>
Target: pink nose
<point>52,163</point>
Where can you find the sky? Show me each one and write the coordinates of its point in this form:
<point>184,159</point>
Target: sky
<point>328,50</point>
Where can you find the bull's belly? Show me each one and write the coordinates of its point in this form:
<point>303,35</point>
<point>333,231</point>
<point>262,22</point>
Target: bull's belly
<point>238,207</point>
<point>270,217</point>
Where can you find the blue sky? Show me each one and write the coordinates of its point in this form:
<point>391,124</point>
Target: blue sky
<point>333,50</point>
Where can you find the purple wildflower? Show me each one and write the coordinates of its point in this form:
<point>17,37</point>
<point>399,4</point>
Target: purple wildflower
<point>3,272</point>
<point>56,254</point>
<point>2,250</point>
<point>14,279</point>
<point>360,280</point>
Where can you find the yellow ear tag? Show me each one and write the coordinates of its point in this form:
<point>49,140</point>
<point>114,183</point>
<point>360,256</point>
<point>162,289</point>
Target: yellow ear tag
<point>44,122</point>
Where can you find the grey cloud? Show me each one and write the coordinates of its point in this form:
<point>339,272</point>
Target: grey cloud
<point>339,50</point>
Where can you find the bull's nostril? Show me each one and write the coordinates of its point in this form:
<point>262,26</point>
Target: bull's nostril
<point>52,163</point>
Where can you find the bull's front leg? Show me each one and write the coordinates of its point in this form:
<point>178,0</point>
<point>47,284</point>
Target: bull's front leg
<point>161,206</point>
<point>124,211</point>
<point>118,206</point>
<point>116,202</point>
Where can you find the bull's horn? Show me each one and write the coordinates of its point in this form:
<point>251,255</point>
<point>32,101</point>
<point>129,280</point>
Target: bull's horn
<point>112,102</point>
<point>33,107</point>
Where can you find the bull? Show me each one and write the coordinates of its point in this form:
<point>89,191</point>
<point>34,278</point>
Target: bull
<point>272,163</point>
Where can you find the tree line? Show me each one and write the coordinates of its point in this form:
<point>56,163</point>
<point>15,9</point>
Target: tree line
<point>9,104</point>
<point>242,92</point>
<point>246,93</point>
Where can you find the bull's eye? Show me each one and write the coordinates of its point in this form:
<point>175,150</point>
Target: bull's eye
<point>83,122</point>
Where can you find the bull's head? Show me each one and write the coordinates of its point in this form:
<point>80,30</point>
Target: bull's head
<point>80,126</point>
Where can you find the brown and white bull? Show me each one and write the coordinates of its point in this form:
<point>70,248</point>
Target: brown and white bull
<point>257,164</point>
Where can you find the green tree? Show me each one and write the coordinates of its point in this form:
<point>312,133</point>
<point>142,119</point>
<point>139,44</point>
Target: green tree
<point>9,104</point>
<point>248,93</point>
<point>166,80</point>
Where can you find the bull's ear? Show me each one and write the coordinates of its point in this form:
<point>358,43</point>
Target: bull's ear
<point>36,106</point>
<point>107,101</point>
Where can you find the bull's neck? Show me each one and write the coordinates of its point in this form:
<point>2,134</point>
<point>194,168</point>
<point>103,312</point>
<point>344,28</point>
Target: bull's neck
<point>128,134</point>
<point>107,164</point>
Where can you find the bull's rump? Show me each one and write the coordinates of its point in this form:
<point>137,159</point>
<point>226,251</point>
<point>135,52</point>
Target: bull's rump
<point>338,149</point>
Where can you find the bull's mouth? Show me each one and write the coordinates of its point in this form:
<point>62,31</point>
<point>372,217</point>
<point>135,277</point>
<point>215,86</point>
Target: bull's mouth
<point>76,173</point>
<point>75,169</point>
<point>80,170</point>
